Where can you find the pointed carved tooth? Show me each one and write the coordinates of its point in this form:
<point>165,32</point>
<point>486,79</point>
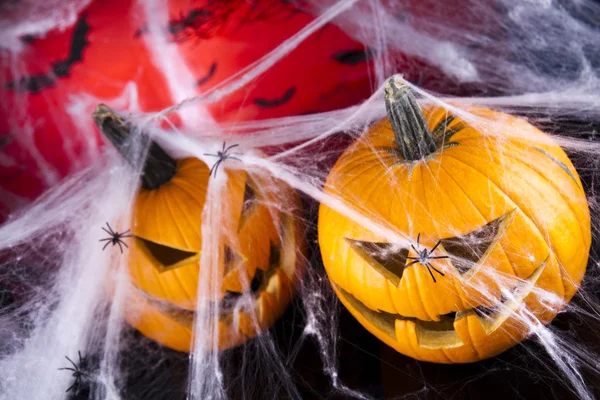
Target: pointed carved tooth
<point>275,284</point>
<point>510,306</point>
<point>246,323</point>
<point>266,303</point>
<point>436,339</point>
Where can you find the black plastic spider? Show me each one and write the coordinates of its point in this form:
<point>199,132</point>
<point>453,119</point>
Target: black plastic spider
<point>115,238</point>
<point>77,373</point>
<point>222,156</point>
<point>424,256</point>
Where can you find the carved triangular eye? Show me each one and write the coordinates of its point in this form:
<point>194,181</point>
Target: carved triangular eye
<point>468,250</point>
<point>274,255</point>
<point>249,197</point>
<point>250,201</point>
<point>167,257</point>
<point>231,259</point>
<point>386,258</point>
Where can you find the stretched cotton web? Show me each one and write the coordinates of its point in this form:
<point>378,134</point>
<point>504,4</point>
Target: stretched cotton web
<point>62,294</point>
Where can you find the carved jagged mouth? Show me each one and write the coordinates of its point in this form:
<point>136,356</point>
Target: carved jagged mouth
<point>225,307</point>
<point>441,334</point>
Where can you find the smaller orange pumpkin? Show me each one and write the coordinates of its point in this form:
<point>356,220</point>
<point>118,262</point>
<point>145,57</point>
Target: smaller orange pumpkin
<point>261,245</point>
<point>498,223</point>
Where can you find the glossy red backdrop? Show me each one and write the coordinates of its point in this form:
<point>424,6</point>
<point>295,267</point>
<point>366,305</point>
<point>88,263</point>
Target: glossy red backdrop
<point>110,55</point>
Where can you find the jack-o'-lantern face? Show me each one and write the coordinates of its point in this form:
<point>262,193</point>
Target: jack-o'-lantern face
<point>259,241</point>
<point>498,230</point>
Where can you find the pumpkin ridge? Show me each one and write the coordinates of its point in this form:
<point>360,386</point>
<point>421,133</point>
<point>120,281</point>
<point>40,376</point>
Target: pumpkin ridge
<point>552,183</point>
<point>451,201</point>
<point>575,214</point>
<point>422,167</point>
<point>413,283</point>
<point>469,335</point>
<point>185,188</point>
<point>562,165</point>
<point>188,188</point>
<point>153,197</point>
<point>561,267</point>
<point>388,290</point>
<point>532,222</point>
<point>366,197</point>
<point>175,279</point>
<point>480,213</point>
<point>347,270</point>
<point>499,243</point>
<point>172,197</point>
<point>566,199</point>
<point>362,155</point>
<point>166,200</point>
<point>191,219</point>
<point>367,166</point>
<point>164,285</point>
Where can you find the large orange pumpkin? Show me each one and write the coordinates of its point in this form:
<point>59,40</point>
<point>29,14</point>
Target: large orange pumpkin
<point>260,245</point>
<point>497,223</point>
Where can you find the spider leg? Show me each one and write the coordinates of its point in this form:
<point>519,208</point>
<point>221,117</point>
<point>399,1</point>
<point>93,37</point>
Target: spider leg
<point>435,247</point>
<point>234,158</point>
<point>126,236</point>
<point>430,273</point>
<point>124,232</point>
<point>124,244</point>
<point>435,269</point>
<point>110,229</point>
<point>79,354</point>
<point>107,243</point>
<point>70,387</point>
<point>223,149</point>
<point>436,257</point>
<point>412,258</point>
<point>71,361</point>
<point>212,155</point>
<point>121,247</point>
<point>110,233</point>
<point>102,240</point>
<point>215,168</point>
<point>230,147</point>
<point>418,238</point>
<point>413,247</point>
<point>411,263</point>
<point>68,369</point>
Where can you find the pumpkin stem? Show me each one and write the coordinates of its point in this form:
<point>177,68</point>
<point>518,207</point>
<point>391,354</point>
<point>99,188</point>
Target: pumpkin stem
<point>414,139</point>
<point>159,167</point>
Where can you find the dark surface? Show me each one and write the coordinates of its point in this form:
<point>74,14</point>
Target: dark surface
<point>152,372</point>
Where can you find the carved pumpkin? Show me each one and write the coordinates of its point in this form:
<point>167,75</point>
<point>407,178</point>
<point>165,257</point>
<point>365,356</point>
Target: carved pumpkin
<point>261,247</point>
<point>497,222</point>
